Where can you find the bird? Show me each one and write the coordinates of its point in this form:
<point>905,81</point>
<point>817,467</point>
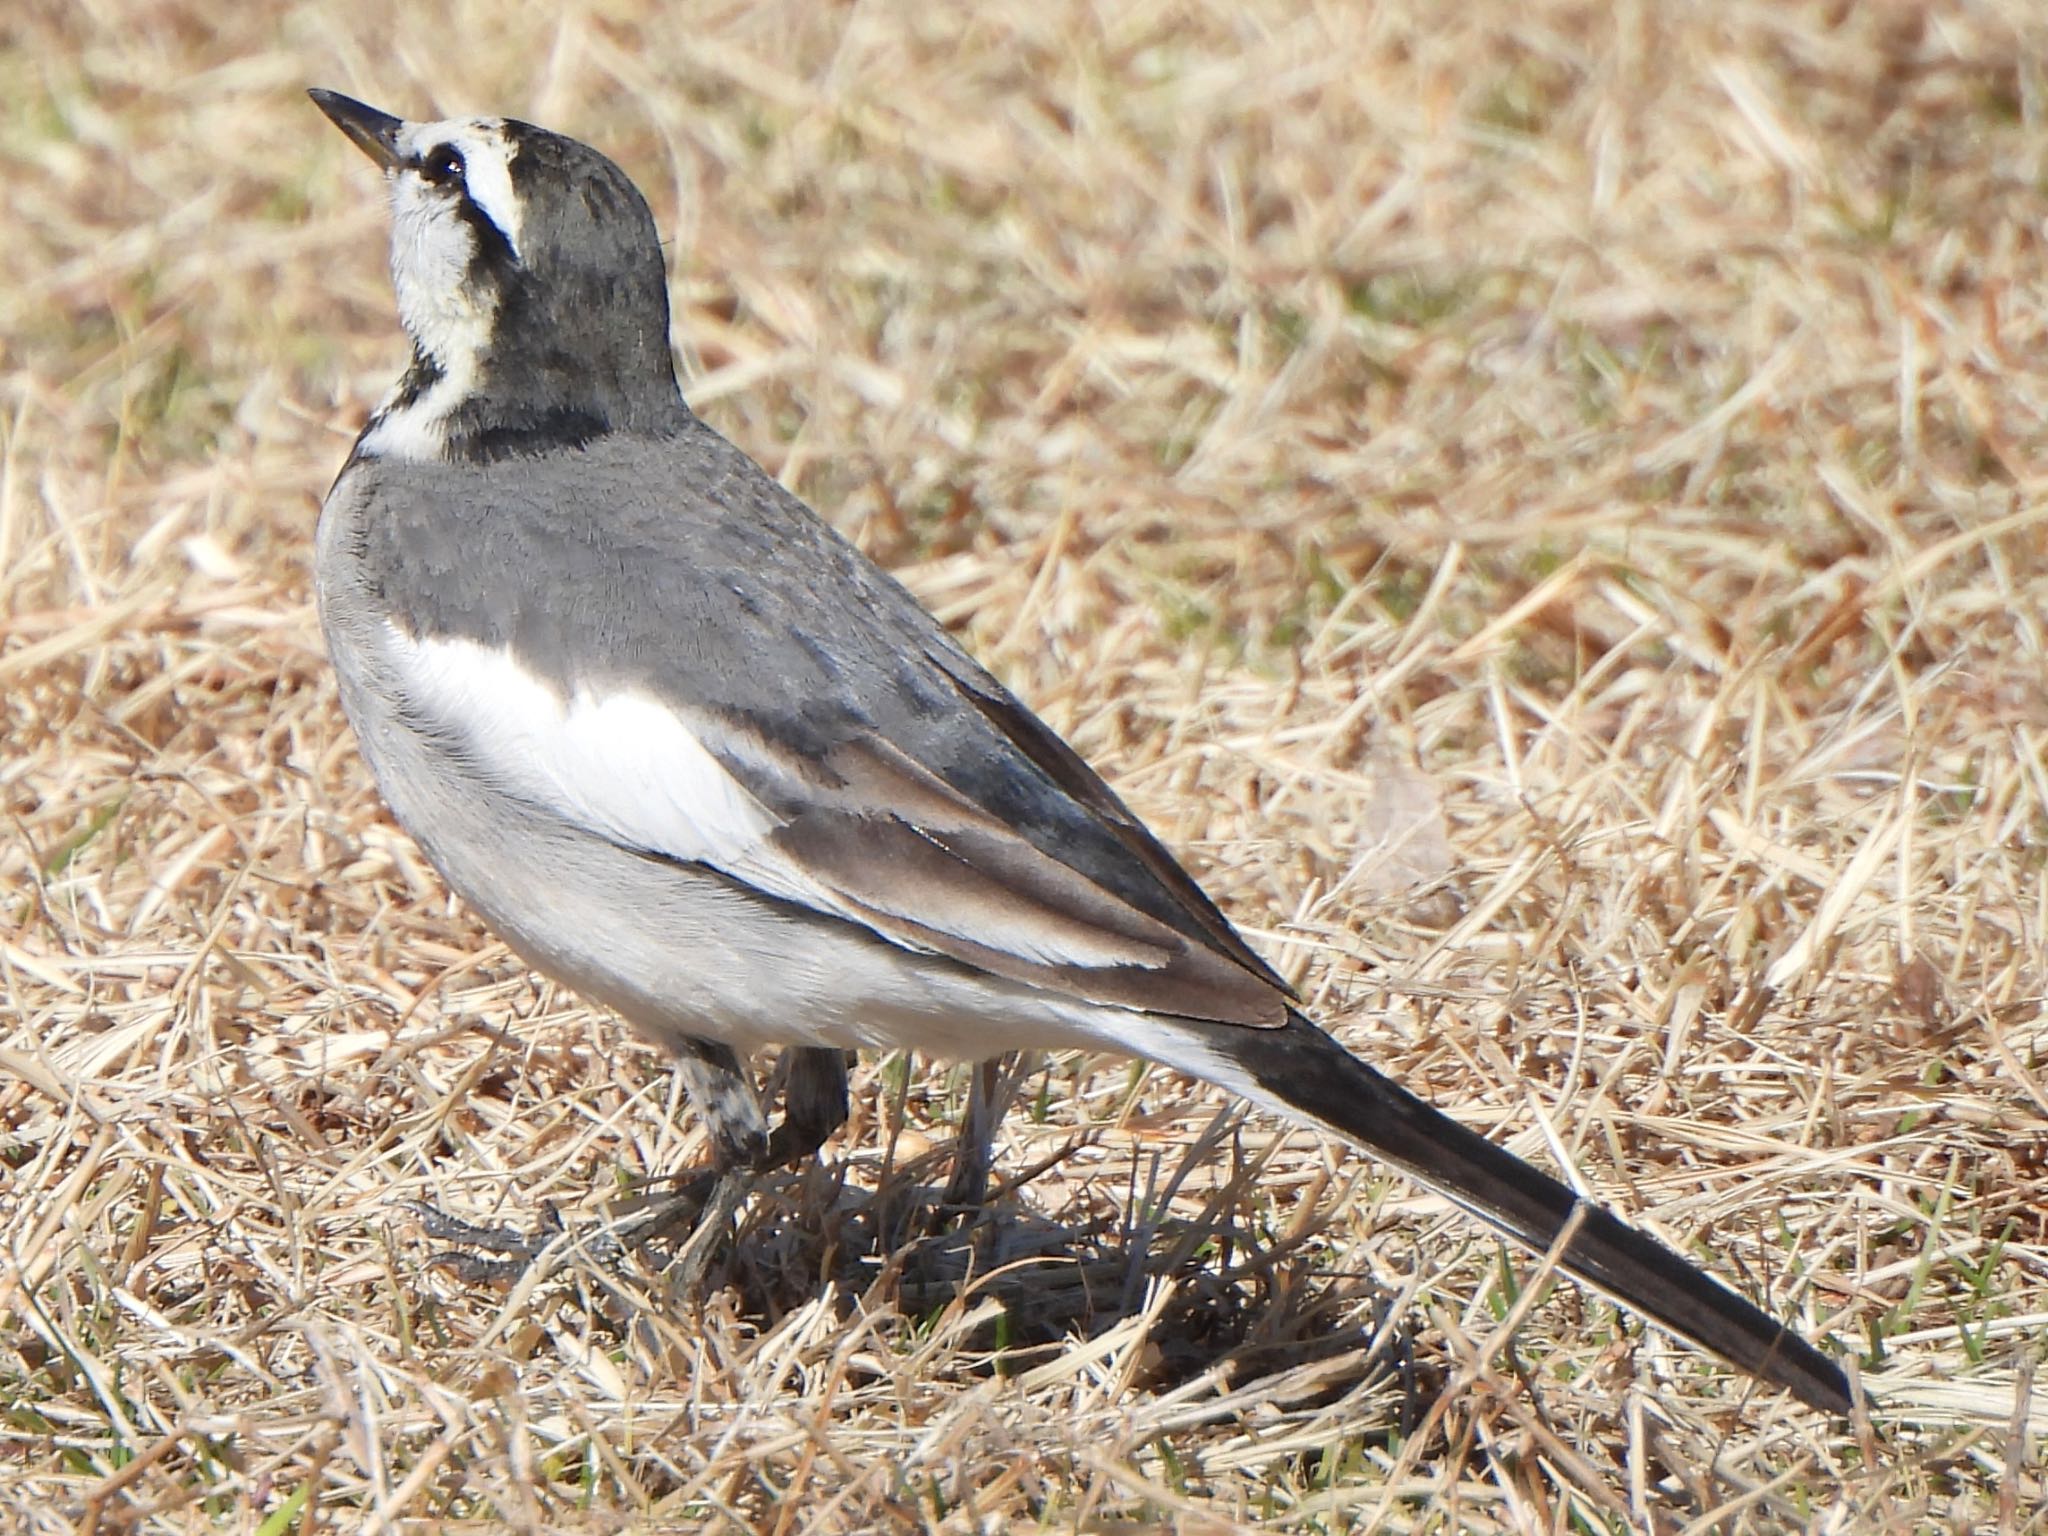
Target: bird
<point>695,757</point>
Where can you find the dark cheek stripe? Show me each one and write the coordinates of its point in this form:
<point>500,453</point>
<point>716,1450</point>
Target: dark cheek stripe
<point>491,262</point>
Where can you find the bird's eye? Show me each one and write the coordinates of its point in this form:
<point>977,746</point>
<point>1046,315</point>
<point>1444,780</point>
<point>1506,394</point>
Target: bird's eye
<point>441,165</point>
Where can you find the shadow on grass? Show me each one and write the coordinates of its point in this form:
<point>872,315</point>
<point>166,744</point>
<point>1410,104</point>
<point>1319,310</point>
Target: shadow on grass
<point>1245,1305</point>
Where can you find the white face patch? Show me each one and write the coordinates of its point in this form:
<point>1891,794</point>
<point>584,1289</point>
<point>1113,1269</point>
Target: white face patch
<point>432,247</point>
<point>486,152</point>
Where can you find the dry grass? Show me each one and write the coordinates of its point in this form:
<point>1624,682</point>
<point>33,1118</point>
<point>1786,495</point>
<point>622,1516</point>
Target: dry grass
<point>1602,446</point>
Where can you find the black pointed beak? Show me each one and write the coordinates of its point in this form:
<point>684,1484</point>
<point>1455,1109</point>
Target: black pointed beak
<point>374,133</point>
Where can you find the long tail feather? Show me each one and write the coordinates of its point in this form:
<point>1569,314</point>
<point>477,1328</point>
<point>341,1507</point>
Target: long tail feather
<point>1302,1072</point>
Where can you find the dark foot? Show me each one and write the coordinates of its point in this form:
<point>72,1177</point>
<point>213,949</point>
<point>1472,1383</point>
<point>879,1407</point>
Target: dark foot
<point>516,1250</point>
<point>488,1255</point>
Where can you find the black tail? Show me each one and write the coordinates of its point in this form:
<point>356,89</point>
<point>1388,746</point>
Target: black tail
<point>1303,1072</point>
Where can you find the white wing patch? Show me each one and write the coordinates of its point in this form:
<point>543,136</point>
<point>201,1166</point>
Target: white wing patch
<point>624,765</point>
<point>629,768</point>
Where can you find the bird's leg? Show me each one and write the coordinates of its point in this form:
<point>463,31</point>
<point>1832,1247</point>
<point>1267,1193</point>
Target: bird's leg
<point>814,1104</point>
<point>718,1087</point>
<point>703,1201</point>
<point>717,1084</point>
<point>992,1086</point>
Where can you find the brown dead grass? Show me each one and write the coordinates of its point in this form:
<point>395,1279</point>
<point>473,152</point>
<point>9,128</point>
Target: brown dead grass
<point>1542,502</point>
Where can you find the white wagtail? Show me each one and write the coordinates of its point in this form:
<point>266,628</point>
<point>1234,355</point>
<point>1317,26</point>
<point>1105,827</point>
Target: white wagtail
<point>697,758</point>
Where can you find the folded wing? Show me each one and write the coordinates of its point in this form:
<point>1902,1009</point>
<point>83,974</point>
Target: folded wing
<point>860,831</point>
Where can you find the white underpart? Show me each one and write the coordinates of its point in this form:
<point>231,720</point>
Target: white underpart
<point>432,246</point>
<point>631,769</point>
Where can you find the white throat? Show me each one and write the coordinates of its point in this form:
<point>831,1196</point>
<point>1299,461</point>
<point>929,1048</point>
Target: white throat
<point>449,317</point>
